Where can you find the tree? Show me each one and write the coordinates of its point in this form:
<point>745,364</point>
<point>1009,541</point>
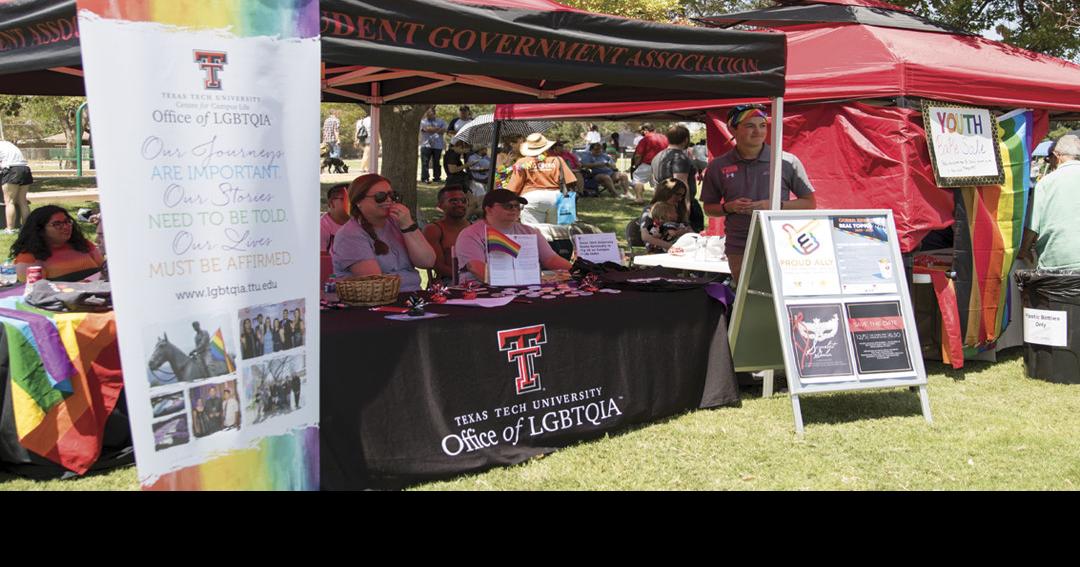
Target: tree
<point>399,131</point>
<point>1045,26</point>
<point>44,115</point>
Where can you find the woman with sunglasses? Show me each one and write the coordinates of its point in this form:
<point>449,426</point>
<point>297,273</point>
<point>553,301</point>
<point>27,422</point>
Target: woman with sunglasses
<point>502,211</point>
<point>51,239</point>
<point>381,237</point>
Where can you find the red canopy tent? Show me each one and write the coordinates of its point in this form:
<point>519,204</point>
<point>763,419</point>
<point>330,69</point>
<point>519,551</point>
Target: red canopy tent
<point>867,154</point>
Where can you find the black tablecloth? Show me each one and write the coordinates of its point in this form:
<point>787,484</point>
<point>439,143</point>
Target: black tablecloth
<point>410,400</point>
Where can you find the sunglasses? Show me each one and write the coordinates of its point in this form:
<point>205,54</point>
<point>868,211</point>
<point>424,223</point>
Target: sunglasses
<point>61,223</point>
<point>510,206</point>
<point>382,196</point>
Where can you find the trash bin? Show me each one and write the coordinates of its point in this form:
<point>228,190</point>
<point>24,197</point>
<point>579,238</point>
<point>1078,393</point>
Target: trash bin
<point>1051,323</point>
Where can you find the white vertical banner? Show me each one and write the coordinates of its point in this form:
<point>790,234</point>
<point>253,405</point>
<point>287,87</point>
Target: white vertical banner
<point>206,132</point>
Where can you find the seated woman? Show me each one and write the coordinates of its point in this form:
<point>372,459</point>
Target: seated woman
<point>381,236</point>
<point>51,239</point>
<point>537,176</point>
<point>602,167</point>
<point>673,192</point>
<point>502,211</point>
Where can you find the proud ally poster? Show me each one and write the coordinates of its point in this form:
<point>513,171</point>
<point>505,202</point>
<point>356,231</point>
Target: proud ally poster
<point>205,119</point>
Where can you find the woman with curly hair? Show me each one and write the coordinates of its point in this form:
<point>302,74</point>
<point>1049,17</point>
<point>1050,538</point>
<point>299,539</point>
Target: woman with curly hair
<point>381,237</point>
<point>51,239</point>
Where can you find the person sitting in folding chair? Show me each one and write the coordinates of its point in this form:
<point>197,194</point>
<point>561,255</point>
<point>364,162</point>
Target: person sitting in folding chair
<point>601,167</point>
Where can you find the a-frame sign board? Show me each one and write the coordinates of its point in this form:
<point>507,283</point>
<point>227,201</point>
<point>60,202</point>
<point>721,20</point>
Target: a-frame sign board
<point>824,296</point>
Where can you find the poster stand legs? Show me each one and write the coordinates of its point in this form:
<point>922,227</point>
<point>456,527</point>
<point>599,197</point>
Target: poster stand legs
<point>796,408</point>
<point>924,399</point>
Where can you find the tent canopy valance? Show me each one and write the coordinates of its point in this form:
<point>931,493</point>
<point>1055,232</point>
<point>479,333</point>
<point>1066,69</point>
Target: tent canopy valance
<point>432,51</point>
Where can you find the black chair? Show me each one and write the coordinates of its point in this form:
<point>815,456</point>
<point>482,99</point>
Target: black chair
<point>633,238</point>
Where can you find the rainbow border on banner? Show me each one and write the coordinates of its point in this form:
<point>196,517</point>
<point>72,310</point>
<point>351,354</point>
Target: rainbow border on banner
<point>279,462</point>
<point>242,18</point>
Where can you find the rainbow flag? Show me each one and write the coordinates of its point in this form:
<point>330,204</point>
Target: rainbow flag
<point>243,18</point>
<point>988,230</point>
<point>218,352</point>
<point>65,380</point>
<point>499,242</point>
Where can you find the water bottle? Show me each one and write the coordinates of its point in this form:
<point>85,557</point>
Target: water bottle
<point>330,290</point>
<point>7,273</point>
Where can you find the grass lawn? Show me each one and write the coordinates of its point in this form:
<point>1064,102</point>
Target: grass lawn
<point>994,429</point>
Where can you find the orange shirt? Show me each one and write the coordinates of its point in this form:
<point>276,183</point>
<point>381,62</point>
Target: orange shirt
<point>64,260</point>
<point>530,174</point>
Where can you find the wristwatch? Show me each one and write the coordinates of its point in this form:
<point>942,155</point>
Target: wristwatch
<point>410,228</point>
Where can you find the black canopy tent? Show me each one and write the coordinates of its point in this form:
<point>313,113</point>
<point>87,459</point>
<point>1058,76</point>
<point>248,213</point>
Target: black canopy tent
<point>430,52</point>
<point>458,51</point>
<point>438,51</point>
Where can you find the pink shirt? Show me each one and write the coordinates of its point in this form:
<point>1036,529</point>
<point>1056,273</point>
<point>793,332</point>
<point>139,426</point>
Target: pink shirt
<point>472,245</point>
<point>327,228</point>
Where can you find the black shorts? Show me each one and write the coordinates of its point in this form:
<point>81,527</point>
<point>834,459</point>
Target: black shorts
<point>18,175</point>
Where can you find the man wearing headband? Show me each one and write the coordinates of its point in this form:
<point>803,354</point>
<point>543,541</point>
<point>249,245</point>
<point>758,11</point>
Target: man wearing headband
<point>737,183</point>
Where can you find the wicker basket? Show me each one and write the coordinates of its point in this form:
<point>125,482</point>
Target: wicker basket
<point>368,290</point>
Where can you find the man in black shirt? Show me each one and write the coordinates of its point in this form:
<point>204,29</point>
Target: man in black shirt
<point>454,164</point>
<point>675,162</point>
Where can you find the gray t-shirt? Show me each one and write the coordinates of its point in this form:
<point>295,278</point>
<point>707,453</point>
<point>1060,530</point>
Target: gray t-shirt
<point>730,177</point>
<point>353,244</point>
<point>432,140</point>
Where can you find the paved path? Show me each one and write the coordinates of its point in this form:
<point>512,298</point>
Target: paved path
<point>63,196</point>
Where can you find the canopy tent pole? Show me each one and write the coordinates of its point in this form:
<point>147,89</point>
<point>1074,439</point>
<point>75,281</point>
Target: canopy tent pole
<point>376,112</point>
<point>777,148</point>
<point>494,154</point>
<point>776,164</point>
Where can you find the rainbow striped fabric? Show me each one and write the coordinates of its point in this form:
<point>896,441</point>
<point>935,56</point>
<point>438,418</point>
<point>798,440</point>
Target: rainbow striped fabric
<point>243,18</point>
<point>282,462</point>
<point>989,227</point>
<point>218,352</point>
<point>65,380</point>
<point>499,242</point>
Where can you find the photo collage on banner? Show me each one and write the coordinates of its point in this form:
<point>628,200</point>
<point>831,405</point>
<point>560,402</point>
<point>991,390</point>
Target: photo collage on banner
<point>204,119</point>
<point>840,282</point>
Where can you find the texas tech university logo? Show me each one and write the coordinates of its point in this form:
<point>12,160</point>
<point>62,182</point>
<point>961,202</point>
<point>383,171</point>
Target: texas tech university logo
<point>522,346</point>
<point>211,62</point>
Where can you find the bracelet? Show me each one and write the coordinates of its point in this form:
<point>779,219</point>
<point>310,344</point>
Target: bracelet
<point>410,228</point>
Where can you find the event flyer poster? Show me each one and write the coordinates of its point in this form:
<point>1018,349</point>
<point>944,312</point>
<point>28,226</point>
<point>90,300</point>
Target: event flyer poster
<point>863,255</point>
<point>804,252</point>
<point>204,124</point>
<point>819,341</point>
<point>878,336</point>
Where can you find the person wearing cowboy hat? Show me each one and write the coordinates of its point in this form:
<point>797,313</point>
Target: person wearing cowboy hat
<point>539,176</point>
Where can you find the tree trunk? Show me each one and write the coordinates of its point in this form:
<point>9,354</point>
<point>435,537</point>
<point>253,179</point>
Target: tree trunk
<point>67,121</point>
<point>399,132</point>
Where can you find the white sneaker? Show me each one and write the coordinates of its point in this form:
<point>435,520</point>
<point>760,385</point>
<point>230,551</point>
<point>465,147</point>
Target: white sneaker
<point>9,231</point>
